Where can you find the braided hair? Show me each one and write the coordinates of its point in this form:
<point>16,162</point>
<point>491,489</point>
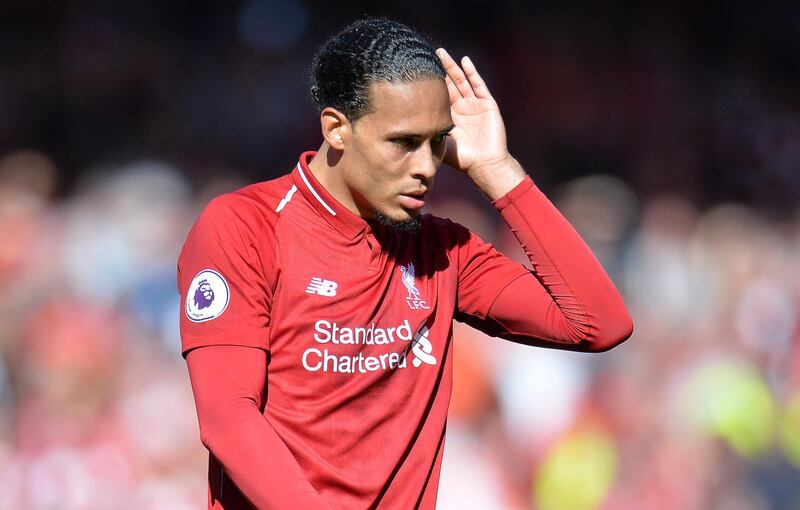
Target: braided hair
<point>368,51</point>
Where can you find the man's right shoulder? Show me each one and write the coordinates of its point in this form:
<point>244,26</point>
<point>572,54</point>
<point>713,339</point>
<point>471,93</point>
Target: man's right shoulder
<point>251,208</point>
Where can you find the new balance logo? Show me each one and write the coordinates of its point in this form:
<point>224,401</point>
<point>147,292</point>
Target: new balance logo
<point>322,287</point>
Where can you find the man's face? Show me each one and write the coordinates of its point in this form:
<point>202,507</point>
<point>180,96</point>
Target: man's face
<point>396,149</point>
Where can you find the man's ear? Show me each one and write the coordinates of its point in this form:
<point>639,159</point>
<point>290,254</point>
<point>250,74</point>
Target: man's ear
<point>336,128</point>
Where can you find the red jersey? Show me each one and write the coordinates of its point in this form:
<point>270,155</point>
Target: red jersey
<point>357,320</point>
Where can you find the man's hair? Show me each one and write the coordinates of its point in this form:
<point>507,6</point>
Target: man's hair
<point>368,51</point>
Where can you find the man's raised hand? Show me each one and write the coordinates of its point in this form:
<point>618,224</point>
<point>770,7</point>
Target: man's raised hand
<point>477,145</point>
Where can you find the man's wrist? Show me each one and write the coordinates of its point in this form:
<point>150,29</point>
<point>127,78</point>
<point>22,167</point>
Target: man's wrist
<point>497,179</point>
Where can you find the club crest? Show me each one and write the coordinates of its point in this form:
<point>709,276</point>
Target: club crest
<point>414,300</point>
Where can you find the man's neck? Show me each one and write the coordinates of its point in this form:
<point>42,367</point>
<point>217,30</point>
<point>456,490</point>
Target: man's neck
<point>326,166</point>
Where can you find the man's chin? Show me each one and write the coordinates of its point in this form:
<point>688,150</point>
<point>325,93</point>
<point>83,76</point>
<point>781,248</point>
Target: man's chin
<point>410,225</point>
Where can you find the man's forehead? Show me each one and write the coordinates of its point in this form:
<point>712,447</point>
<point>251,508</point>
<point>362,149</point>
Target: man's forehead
<point>421,104</point>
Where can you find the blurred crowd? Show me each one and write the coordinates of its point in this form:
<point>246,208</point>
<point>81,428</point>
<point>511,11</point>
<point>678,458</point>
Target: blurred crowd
<point>669,135</point>
<point>95,405</point>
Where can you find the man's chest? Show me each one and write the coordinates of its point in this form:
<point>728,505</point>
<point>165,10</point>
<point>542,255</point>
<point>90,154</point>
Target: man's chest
<point>359,306</point>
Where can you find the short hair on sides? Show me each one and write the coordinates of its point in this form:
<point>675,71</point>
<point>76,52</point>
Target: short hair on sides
<point>367,51</point>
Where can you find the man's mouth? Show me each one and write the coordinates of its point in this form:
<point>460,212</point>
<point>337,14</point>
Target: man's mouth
<point>414,199</point>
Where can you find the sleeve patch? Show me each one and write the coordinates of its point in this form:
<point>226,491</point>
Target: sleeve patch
<point>207,297</point>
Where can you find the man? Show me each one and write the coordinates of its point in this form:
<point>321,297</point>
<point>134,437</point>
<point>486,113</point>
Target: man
<point>318,306</point>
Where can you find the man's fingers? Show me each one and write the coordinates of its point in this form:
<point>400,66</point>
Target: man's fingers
<point>478,85</point>
<point>455,73</point>
<point>455,95</point>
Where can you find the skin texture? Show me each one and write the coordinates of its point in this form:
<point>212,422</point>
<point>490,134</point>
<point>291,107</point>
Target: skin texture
<point>387,160</point>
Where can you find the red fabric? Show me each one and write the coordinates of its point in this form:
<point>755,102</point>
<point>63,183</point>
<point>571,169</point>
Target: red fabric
<point>228,384</point>
<point>568,302</point>
<point>352,400</point>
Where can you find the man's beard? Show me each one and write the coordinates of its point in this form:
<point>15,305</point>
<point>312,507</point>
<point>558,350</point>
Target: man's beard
<point>411,226</point>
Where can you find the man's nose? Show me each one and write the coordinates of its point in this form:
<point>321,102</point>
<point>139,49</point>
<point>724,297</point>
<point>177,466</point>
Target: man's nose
<point>426,163</point>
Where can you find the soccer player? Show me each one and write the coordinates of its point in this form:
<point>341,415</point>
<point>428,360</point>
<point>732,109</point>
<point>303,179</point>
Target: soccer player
<point>317,308</point>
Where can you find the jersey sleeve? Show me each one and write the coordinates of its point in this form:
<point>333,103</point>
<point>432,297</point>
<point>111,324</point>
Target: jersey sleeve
<point>228,385</point>
<point>483,273</point>
<point>225,274</point>
<point>567,301</point>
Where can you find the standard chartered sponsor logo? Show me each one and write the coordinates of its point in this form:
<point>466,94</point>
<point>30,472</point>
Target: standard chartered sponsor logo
<point>330,334</point>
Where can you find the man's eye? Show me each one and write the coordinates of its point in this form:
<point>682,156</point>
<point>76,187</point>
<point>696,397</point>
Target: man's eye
<point>404,142</point>
<point>440,138</point>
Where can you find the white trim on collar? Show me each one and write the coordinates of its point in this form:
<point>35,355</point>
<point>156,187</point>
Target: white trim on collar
<point>313,191</point>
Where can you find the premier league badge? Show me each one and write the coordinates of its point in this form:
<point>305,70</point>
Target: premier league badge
<point>207,297</point>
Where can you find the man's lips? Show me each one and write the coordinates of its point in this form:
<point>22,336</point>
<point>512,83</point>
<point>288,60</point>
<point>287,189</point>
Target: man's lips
<point>413,200</point>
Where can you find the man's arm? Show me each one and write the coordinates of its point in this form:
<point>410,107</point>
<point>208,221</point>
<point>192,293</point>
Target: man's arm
<point>226,352</point>
<point>228,382</point>
<point>568,301</point>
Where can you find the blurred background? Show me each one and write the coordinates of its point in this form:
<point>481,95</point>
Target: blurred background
<point>668,134</point>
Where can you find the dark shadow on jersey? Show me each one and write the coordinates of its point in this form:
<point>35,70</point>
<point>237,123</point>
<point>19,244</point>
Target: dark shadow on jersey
<point>428,247</point>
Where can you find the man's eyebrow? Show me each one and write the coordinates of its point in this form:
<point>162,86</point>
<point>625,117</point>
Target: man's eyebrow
<point>409,134</point>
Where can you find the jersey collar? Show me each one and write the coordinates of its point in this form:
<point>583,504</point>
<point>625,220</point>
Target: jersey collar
<point>337,215</point>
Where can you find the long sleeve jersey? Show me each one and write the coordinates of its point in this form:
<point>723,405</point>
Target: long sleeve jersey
<point>320,346</point>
